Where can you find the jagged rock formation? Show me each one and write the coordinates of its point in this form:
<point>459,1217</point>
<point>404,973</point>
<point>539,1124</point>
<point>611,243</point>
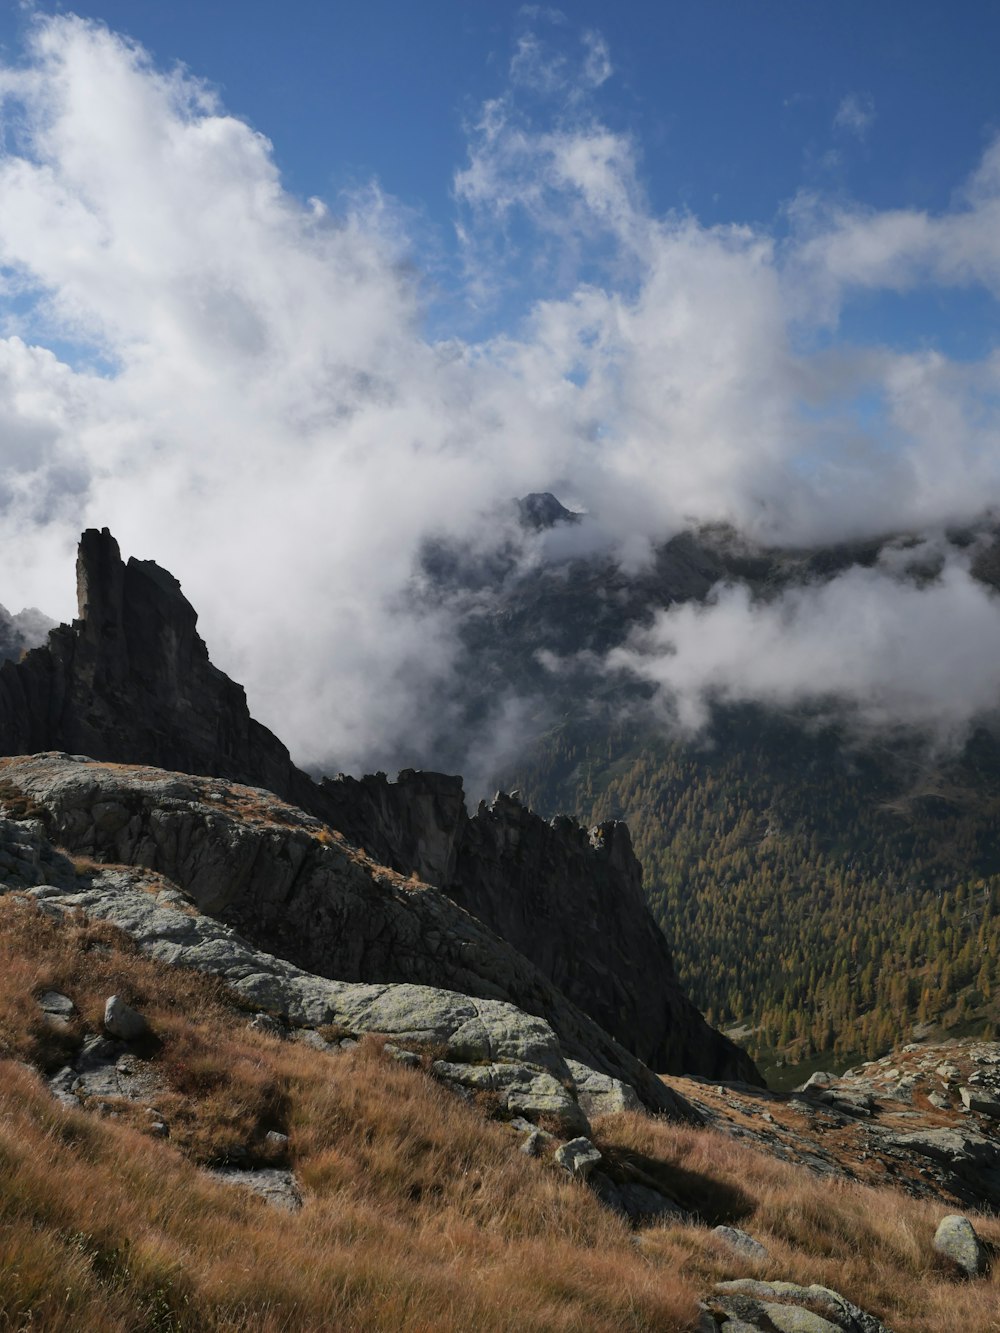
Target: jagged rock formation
<point>130,681</point>
<point>568,899</point>
<point>385,955</point>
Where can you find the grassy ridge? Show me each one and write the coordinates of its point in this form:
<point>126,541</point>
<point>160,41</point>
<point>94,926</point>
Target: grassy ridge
<point>419,1213</point>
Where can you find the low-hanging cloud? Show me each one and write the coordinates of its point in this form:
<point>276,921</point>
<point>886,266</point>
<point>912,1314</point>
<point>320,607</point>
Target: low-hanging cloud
<point>867,646</point>
<point>241,383</point>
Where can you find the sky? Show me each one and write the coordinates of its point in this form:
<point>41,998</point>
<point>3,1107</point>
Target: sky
<point>287,290</point>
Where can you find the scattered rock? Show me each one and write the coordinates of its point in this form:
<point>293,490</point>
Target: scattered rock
<point>122,1021</point>
<point>980,1100</point>
<point>956,1239</point>
<point>408,1058</point>
<point>747,1306</point>
<point>55,1003</point>
<point>741,1243</point>
<point>275,1139</point>
<point>578,1157</point>
<point>641,1204</point>
<point>278,1188</point>
<point>263,1022</point>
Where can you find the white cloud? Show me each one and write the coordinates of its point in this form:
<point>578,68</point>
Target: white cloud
<point>888,652</point>
<point>855,114</point>
<point>240,385</point>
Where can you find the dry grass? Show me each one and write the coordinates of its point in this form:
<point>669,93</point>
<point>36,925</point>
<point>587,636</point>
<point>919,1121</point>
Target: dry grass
<point>419,1214</point>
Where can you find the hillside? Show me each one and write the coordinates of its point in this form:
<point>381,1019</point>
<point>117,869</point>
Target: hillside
<point>825,899</point>
<point>232,1143</point>
<point>828,887</point>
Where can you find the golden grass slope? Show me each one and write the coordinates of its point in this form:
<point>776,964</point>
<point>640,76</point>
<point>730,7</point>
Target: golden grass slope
<point>419,1214</point>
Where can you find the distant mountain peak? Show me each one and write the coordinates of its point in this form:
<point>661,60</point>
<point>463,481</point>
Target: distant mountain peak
<point>541,510</point>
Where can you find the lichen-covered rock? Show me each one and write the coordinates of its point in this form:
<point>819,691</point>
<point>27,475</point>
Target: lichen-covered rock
<point>600,1094</point>
<point>278,1188</point>
<point>521,1089</point>
<point>488,1043</point>
<point>956,1239</point>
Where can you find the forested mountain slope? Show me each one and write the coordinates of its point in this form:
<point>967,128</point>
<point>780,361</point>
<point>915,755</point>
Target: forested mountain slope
<point>829,898</point>
<point>826,887</point>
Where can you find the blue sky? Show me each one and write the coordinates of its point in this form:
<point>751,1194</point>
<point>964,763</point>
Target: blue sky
<point>735,106</point>
<point>287,290</point>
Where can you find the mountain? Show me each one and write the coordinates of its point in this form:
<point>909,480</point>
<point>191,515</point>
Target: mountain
<point>280,1064</point>
<point>825,889</point>
<point>131,682</point>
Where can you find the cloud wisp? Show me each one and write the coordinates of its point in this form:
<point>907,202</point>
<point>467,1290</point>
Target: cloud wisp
<point>241,385</point>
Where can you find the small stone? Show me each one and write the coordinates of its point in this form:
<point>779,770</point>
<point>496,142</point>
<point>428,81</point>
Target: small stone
<point>347,1044</point>
<point>956,1239</point>
<point>53,1002</point>
<point>121,1020</point>
<point>275,1139</point>
<point>578,1157</point>
<point>159,1128</point>
<point>741,1243</point>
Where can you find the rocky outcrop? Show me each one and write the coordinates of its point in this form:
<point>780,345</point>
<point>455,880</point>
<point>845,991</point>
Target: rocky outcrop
<point>899,1120</point>
<point>130,681</point>
<point>289,885</point>
<point>568,898</point>
<point>746,1306</point>
<point>487,1042</point>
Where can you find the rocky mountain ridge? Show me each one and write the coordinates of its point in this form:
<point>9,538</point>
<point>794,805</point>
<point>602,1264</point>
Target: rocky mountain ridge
<point>131,682</point>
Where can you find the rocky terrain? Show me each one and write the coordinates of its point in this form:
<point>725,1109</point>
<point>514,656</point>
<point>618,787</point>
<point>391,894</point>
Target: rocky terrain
<point>130,681</point>
<point>925,1120</point>
<point>274,983</point>
<point>291,885</point>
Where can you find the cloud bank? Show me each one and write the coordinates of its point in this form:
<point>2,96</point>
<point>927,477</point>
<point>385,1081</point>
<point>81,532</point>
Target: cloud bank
<point>241,385</point>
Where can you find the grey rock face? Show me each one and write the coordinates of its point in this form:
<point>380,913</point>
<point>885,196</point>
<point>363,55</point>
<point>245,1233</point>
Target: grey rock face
<point>278,1188</point>
<point>284,882</point>
<point>105,1069</point>
<point>131,681</point>
<point>956,1239</point>
<point>489,1043</point>
<point>983,1101</point>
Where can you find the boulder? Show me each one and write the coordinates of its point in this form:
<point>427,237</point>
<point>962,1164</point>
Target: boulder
<point>783,1307</point>
<point>740,1243</point>
<point>956,1239</point>
<point>122,1021</point>
<point>578,1157</point>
